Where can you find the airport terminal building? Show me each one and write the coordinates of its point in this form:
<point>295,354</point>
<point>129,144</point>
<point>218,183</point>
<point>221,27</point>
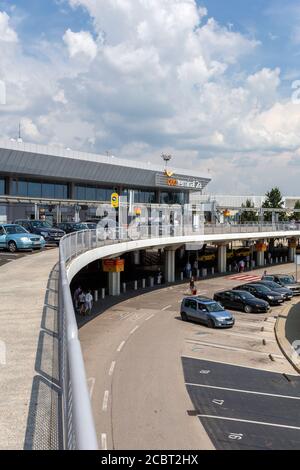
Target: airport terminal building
<point>66,185</point>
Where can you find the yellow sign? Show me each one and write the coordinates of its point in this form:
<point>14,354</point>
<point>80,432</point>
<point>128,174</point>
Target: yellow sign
<point>113,265</point>
<point>115,200</point>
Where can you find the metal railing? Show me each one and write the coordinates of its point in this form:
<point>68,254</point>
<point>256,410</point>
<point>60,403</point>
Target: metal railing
<point>78,422</point>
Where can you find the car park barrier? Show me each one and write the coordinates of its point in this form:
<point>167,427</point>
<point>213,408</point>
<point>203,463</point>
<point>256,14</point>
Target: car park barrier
<point>103,293</point>
<point>96,296</point>
<point>124,287</point>
<point>144,283</point>
<point>135,285</point>
<point>151,281</point>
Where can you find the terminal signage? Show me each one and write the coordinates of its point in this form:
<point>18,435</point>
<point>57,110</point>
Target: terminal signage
<point>164,180</point>
<point>113,265</point>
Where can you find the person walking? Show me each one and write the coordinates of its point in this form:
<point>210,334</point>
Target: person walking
<point>81,302</point>
<point>88,303</point>
<point>195,268</point>
<point>192,286</point>
<point>76,297</point>
<point>188,269</point>
<point>242,266</point>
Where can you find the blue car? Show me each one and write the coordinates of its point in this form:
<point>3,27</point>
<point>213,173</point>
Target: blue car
<point>207,311</point>
<point>14,237</point>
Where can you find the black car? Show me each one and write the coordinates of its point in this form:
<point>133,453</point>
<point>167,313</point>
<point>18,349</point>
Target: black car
<point>241,300</point>
<point>52,235</point>
<point>284,280</point>
<point>287,293</point>
<point>262,292</point>
<point>71,227</point>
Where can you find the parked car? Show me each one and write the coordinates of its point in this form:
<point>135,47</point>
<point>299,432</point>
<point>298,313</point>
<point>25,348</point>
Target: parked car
<point>262,292</point>
<point>52,235</point>
<point>241,300</point>
<point>207,311</point>
<point>14,237</point>
<point>91,225</point>
<point>284,280</point>
<point>287,293</point>
<point>71,227</point>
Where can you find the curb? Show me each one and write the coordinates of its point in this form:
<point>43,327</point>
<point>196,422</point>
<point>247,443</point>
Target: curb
<point>283,343</point>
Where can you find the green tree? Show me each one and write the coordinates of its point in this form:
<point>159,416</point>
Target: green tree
<point>249,216</point>
<point>296,215</point>
<point>274,201</point>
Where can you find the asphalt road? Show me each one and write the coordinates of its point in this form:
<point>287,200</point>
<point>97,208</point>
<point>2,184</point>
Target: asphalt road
<point>7,257</point>
<point>159,383</point>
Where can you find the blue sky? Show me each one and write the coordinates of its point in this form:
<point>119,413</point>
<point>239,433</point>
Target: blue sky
<point>219,92</point>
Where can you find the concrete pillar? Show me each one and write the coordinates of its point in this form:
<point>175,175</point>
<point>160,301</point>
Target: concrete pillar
<point>222,259</point>
<point>170,265</point>
<point>260,258</point>
<point>136,258</point>
<point>114,284</point>
<point>292,254</point>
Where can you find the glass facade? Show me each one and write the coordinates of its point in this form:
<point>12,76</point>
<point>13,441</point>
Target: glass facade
<point>174,198</point>
<point>93,193</point>
<point>144,197</point>
<point>39,189</point>
<point>2,186</point>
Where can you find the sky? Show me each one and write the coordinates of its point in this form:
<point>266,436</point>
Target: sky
<point>215,83</point>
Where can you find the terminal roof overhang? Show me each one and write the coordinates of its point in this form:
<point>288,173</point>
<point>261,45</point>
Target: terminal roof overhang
<point>30,160</point>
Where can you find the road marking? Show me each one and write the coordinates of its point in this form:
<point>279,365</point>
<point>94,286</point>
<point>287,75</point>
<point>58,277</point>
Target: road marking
<point>249,421</point>
<point>91,381</point>
<point>134,330</point>
<point>112,368</point>
<point>243,391</point>
<point>230,348</point>
<point>121,346</point>
<point>236,365</point>
<point>166,308</point>
<point>105,400</point>
<point>149,318</point>
<point>104,441</point>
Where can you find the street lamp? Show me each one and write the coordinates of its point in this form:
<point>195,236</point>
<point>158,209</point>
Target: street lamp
<point>166,158</point>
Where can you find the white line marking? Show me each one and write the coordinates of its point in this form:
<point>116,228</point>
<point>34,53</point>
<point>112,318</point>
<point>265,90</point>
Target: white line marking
<point>105,400</point>
<point>112,368</point>
<point>134,330</point>
<point>149,318</point>
<point>121,346</point>
<point>251,422</point>
<point>104,441</point>
<point>91,381</point>
<point>229,348</point>
<point>166,308</point>
<point>236,365</point>
<point>244,391</point>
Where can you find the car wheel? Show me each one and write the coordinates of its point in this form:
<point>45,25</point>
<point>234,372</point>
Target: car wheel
<point>12,247</point>
<point>211,323</point>
<point>248,309</point>
<point>184,316</point>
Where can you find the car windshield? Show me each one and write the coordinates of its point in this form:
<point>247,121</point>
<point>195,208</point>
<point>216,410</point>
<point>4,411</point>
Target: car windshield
<point>13,229</point>
<point>80,226</point>
<point>262,288</point>
<point>214,307</point>
<point>287,280</point>
<point>41,224</point>
<point>272,285</point>
<point>245,295</point>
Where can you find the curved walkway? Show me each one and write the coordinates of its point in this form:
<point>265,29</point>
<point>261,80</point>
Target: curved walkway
<point>27,337</point>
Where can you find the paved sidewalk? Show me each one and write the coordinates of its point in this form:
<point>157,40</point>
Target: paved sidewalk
<point>287,331</point>
<point>25,320</point>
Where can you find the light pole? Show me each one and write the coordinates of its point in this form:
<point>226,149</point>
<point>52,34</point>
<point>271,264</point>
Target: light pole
<point>166,158</point>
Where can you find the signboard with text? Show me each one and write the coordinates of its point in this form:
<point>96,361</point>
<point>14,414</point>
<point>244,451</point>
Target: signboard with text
<point>113,265</point>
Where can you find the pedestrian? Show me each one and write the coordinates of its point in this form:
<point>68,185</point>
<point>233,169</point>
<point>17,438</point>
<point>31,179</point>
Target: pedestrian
<point>81,302</point>
<point>241,266</point>
<point>195,267</point>
<point>88,302</point>
<point>188,269</point>
<point>159,278</point>
<point>76,296</point>
<point>235,267</point>
<point>192,286</point>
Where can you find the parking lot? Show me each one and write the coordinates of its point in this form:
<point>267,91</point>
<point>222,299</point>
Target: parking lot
<point>6,257</point>
<point>243,408</point>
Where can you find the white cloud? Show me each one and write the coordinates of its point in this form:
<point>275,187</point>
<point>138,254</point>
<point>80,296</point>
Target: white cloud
<point>80,43</point>
<point>7,33</point>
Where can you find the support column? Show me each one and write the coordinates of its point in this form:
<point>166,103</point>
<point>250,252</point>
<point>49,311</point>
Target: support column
<point>170,265</point>
<point>260,253</point>
<point>114,284</point>
<point>292,250</point>
<point>222,259</point>
<point>136,258</point>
